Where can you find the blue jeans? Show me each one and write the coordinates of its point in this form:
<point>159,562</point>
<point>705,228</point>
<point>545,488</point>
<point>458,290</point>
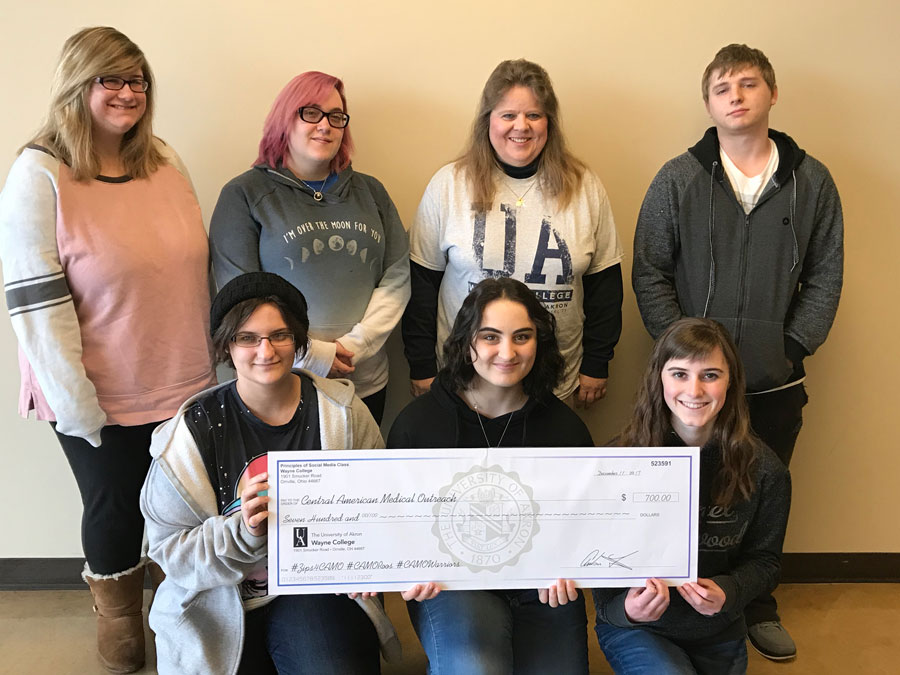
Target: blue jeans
<point>637,651</point>
<point>500,633</point>
<point>309,634</point>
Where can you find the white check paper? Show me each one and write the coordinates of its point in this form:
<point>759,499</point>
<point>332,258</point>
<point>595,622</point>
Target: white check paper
<point>383,520</point>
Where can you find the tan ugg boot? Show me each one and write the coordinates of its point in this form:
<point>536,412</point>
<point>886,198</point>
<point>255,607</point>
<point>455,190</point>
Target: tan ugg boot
<point>120,625</point>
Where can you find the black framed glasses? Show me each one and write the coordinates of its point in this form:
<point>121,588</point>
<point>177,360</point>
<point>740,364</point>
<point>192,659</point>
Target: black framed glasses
<point>314,115</point>
<point>138,85</point>
<point>254,340</point>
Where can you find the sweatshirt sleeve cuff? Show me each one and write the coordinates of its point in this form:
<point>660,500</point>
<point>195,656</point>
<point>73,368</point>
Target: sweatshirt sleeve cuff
<point>794,350</point>
<point>726,583</point>
<point>318,358</point>
<point>252,541</point>
<point>422,370</point>
<point>593,367</point>
<point>614,612</point>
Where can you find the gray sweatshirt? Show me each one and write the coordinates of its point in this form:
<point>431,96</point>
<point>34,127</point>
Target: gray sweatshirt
<point>348,254</point>
<point>772,277</point>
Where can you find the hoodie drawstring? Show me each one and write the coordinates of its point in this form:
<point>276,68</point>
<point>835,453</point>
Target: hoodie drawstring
<point>796,248</point>
<point>711,227</point>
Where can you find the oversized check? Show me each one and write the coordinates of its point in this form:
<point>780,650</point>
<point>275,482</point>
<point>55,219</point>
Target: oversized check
<point>383,520</point>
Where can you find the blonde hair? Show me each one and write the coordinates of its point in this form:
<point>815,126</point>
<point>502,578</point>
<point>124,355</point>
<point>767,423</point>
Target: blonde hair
<point>67,132</point>
<point>559,172</point>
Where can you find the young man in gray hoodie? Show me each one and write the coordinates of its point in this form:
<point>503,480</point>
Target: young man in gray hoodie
<point>746,228</point>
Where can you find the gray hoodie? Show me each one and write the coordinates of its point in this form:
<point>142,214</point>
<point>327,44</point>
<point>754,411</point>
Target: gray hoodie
<point>772,277</point>
<point>197,612</point>
<point>348,253</point>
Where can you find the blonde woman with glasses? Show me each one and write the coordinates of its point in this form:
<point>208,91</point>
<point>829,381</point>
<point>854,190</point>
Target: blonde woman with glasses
<point>98,224</point>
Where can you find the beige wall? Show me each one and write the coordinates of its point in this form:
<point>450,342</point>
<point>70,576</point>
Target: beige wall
<point>627,77</point>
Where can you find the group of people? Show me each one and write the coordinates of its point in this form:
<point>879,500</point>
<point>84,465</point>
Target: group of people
<point>509,291</point>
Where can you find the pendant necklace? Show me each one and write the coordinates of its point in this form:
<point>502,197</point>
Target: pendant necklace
<point>520,199</point>
<point>481,424</point>
<point>317,194</point>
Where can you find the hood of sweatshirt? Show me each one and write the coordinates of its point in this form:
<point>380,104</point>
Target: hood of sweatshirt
<point>463,414</point>
<point>790,155</point>
<point>335,194</point>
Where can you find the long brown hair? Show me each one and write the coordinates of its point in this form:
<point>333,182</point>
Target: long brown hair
<point>67,132</point>
<point>650,420</point>
<point>559,171</point>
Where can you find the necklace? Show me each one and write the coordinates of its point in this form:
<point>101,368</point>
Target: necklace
<point>317,194</point>
<point>481,424</point>
<point>520,199</point>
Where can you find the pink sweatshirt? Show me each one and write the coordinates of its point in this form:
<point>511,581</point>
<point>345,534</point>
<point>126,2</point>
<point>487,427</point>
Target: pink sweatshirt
<point>106,284</point>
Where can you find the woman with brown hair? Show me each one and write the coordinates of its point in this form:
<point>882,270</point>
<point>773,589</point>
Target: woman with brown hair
<point>206,503</point>
<point>518,204</point>
<point>692,393</point>
<point>98,223</point>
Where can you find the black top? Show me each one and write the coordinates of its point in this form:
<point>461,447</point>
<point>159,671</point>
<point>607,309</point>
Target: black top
<point>520,172</point>
<point>441,419</point>
<point>233,442</point>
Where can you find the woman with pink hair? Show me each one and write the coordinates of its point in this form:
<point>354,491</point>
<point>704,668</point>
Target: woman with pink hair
<point>303,213</point>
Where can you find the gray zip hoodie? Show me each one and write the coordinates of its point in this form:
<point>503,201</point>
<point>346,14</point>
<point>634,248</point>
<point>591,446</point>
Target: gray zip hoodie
<point>197,612</point>
<point>772,277</point>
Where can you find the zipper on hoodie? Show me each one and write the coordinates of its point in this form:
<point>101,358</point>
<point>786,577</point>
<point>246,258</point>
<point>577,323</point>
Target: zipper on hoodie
<point>745,244</point>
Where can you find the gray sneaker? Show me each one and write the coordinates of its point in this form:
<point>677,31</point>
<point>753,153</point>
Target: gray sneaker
<point>772,640</point>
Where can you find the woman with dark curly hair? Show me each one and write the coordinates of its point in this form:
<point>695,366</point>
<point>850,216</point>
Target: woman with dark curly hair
<point>692,393</point>
<point>501,364</point>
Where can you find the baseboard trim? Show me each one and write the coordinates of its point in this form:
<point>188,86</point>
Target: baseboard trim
<point>27,574</point>
<point>815,568</point>
<point>40,574</point>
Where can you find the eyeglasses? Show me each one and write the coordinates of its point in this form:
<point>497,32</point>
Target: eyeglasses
<point>138,85</point>
<point>254,340</point>
<point>313,115</point>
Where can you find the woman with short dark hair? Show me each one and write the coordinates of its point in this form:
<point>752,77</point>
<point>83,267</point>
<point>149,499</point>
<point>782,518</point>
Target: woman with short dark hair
<point>501,364</point>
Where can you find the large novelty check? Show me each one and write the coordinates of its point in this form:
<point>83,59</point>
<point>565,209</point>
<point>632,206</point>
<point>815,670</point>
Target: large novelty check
<point>383,520</point>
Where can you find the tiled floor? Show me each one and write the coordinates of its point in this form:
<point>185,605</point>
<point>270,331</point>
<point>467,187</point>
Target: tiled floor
<point>845,628</point>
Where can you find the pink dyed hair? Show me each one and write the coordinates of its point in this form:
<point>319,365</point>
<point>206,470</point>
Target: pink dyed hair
<point>305,89</point>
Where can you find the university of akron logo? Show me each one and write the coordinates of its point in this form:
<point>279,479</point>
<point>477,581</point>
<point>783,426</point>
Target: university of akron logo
<point>490,523</point>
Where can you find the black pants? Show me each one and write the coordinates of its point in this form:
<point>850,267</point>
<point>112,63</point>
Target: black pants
<point>776,418</point>
<point>375,404</point>
<point>110,479</point>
